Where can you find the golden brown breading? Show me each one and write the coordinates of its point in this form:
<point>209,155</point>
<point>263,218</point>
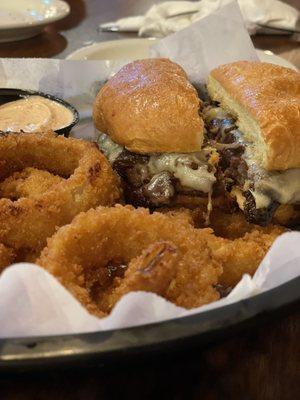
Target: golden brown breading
<point>230,225</point>
<point>7,256</point>
<point>89,181</point>
<point>31,182</point>
<point>239,245</point>
<point>243,255</point>
<point>108,236</point>
<point>152,271</point>
<point>183,215</point>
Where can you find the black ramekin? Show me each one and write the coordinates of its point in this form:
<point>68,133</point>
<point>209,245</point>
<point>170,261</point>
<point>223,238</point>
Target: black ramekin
<point>8,95</point>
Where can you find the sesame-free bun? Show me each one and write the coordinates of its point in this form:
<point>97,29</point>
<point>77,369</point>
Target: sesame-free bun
<point>265,98</point>
<point>149,106</point>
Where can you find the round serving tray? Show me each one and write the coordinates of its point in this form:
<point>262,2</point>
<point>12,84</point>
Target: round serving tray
<point>114,346</point>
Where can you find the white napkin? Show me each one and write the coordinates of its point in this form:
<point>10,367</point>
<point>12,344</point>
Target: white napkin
<point>171,16</point>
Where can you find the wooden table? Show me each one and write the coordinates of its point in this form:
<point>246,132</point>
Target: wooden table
<point>261,363</point>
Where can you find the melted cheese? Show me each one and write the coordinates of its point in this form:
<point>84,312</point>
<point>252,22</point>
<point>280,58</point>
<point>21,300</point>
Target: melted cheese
<point>179,165</point>
<point>110,149</point>
<point>261,200</point>
<point>281,186</point>
<point>238,195</point>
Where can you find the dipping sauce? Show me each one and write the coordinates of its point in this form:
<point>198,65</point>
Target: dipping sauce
<point>34,113</point>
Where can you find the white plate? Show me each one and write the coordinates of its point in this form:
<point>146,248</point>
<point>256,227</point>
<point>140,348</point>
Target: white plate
<point>21,19</point>
<point>268,56</point>
<point>133,49</point>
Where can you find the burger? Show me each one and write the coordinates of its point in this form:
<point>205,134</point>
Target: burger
<point>154,136</point>
<point>239,142</point>
<point>259,164</point>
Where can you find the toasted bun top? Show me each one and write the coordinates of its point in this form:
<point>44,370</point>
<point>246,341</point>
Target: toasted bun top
<point>265,98</point>
<point>149,106</point>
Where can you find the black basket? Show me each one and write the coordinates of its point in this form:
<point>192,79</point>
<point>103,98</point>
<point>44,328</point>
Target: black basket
<point>107,347</point>
<point>8,95</point>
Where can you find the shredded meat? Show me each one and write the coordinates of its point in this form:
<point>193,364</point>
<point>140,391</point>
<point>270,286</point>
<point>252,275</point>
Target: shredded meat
<point>132,166</point>
<point>261,216</point>
<point>141,188</point>
<point>160,190</point>
<point>232,168</point>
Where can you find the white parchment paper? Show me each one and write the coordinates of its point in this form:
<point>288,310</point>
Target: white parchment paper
<point>32,302</point>
<point>217,39</point>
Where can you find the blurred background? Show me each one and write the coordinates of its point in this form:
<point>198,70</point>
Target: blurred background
<point>81,27</point>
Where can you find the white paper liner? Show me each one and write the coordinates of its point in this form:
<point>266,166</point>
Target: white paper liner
<point>32,302</point>
<point>218,39</point>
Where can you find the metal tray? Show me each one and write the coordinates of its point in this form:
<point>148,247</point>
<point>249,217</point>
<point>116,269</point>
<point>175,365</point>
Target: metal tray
<point>114,346</point>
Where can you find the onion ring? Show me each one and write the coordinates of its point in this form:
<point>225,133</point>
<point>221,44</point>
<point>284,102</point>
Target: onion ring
<point>7,256</point>
<point>89,181</point>
<point>242,255</point>
<point>31,182</point>
<point>108,236</point>
<point>152,271</point>
<point>239,245</point>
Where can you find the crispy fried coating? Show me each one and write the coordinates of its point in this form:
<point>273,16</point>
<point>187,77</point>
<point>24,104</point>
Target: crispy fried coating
<point>152,271</point>
<point>183,215</point>
<point>224,224</point>
<point>103,237</point>
<point>7,256</point>
<point>242,255</point>
<point>30,182</point>
<point>230,225</point>
<point>239,245</point>
<point>88,181</point>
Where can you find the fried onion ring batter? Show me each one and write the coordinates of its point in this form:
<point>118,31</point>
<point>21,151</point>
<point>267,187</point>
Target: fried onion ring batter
<point>31,182</point>
<point>99,238</point>
<point>7,256</point>
<point>243,255</point>
<point>239,245</point>
<point>152,271</point>
<point>88,181</point>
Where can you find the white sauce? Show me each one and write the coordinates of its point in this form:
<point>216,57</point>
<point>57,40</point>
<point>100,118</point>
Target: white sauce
<point>32,114</point>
